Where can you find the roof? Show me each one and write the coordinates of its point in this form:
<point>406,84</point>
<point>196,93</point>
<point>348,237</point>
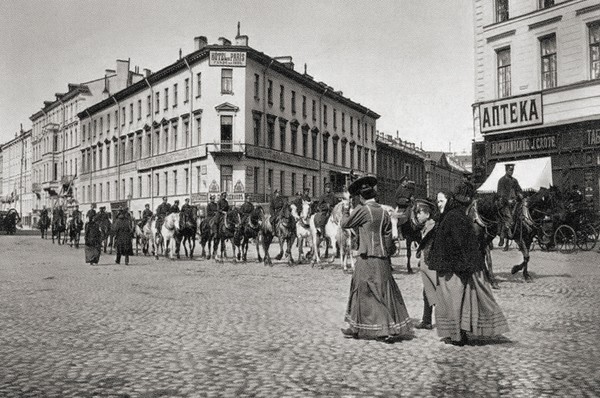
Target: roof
<point>202,54</point>
<point>74,90</point>
<point>532,174</point>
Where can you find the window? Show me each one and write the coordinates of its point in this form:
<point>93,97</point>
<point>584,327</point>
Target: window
<point>186,134</point>
<point>546,3</point>
<point>123,115</point>
<point>108,190</point>
<point>256,127</point>
<point>157,184</point>
<point>282,137</point>
<point>335,151</point>
<point>139,109</point>
<point>101,126</point>
<point>344,153</point>
<point>304,181</point>
<point>148,184</point>
<point>314,110</point>
<point>294,138</point>
<point>359,157</point>
<point>226,132</point>
<point>166,182</point>
<point>140,191</point>
<point>156,144</point>
<point>166,135</point>
<point>100,158</point>
<point>131,113</point>
<point>94,134</point>
<point>130,192</point>
<point>282,182</point>
<point>174,95</point>
<point>187,90</point>
<point>227,178</point>
<point>548,53</point>
<point>198,84</point>
<point>270,92</point>
<point>271,133</point>
<point>351,125</point>
<point>186,173</point>
<point>256,86</point>
<point>140,146</point>
<point>270,179</point>
<point>334,119</point>
<point>304,106</point>
<point>294,192</point>
<point>314,184</point>
<point>226,81</point>
<point>351,156</point>
<point>116,118</point>
<point>175,137</point>
<point>130,150</point>
<point>325,115</point>
<point>281,97</point>
<point>504,82</point>
<point>595,50</point>
<point>255,178</point>
<point>157,102</point>
<point>304,143</point>
<point>149,144</point>
<point>199,130</point>
<point>174,182</point>
<point>108,154</point>
<point>293,103</point>
<point>198,179</point>
<point>166,98</point>
<point>123,144</point>
<point>501,10</point>
<point>315,149</point>
<point>122,194</point>
<point>325,148</point>
<point>148,105</point>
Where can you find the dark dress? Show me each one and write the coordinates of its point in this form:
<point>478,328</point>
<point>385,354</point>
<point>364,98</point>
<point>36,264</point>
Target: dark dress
<point>375,306</point>
<point>123,236</point>
<point>93,242</point>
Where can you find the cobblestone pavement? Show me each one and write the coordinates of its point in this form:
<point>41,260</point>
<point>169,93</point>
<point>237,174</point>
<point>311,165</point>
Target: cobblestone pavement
<point>160,328</point>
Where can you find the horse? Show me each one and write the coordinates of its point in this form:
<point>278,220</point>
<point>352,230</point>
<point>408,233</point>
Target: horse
<point>266,235</point>
<point>335,234</point>
<point>151,244</point>
<point>140,239</point>
<point>205,236</point>
<point>285,230</point>
<point>59,227</point>
<point>74,228</point>
<point>169,232</point>
<point>303,232</point>
<point>43,224</point>
<point>106,232</point>
<point>226,230</point>
<point>187,230</point>
<point>409,229</point>
<point>249,229</point>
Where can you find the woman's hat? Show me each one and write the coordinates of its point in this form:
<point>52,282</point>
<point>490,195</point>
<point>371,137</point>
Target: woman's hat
<point>463,193</point>
<point>362,184</point>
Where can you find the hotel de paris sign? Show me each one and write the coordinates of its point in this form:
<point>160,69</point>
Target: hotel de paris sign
<point>227,58</point>
<point>511,113</point>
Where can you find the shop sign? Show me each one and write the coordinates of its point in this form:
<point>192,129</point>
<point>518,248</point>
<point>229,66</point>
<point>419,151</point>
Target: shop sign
<point>199,197</point>
<point>521,145</point>
<point>281,157</point>
<point>172,157</point>
<point>593,137</point>
<point>121,204</point>
<point>227,58</point>
<point>511,113</point>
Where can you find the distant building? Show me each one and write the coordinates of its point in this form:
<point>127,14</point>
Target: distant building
<point>397,158</point>
<point>464,159</point>
<point>442,172</point>
<point>56,134</point>
<point>224,118</point>
<point>16,176</point>
<point>537,88</point>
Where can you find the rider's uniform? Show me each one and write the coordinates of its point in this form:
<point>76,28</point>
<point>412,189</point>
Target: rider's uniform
<point>246,209</point>
<point>508,191</point>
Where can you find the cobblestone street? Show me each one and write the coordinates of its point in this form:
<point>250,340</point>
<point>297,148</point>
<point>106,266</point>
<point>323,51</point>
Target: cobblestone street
<point>200,328</point>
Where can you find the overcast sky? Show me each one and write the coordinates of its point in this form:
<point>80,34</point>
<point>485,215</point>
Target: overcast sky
<point>411,61</point>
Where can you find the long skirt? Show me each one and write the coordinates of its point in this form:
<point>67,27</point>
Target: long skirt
<point>92,254</point>
<point>375,306</point>
<point>429,278</point>
<point>470,307</point>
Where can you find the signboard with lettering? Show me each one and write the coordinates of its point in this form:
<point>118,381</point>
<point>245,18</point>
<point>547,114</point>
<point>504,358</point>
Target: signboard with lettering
<point>281,157</point>
<point>511,113</point>
<point>521,145</point>
<point>198,198</point>
<point>593,137</point>
<point>172,157</point>
<point>227,58</point>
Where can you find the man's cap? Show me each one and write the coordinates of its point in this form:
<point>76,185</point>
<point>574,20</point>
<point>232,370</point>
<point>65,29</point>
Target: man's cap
<point>164,198</point>
<point>362,184</point>
<point>427,203</point>
<point>187,199</point>
<point>102,207</point>
<point>509,166</point>
<point>212,196</point>
<point>147,205</point>
<point>177,201</point>
<point>223,193</point>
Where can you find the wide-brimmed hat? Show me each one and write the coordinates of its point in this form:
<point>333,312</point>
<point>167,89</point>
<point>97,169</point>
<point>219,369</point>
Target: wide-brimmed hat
<point>362,184</point>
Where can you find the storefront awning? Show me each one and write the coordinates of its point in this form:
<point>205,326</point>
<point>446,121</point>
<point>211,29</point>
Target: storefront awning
<point>532,174</point>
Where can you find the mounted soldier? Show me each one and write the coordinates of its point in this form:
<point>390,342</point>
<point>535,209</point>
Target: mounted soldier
<point>404,199</point>
<point>91,213</point>
<point>146,215</point>
<point>161,212</point>
<point>76,214</point>
<point>305,197</point>
<point>509,191</point>
<point>276,205</point>
<point>186,206</point>
<point>222,209</point>
<point>58,214</point>
<point>325,205</point>
<point>101,217</point>
<point>175,207</point>
<point>246,208</point>
<point>211,208</point>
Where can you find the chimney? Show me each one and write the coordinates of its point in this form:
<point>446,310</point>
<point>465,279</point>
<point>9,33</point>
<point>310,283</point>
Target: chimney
<point>241,40</point>
<point>200,42</point>
<point>109,72</point>
<point>180,53</point>
<point>286,61</point>
<point>147,72</point>
<point>224,42</point>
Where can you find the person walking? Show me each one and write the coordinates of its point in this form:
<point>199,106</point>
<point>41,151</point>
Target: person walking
<point>123,235</point>
<point>464,299</point>
<point>375,309</point>
<point>424,211</point>
<point>93,241</point>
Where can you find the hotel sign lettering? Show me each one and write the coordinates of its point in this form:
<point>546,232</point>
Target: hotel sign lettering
<point>511,113</point>
<point>521,145</point>
<point>593,137</point>
<point>227,58</point>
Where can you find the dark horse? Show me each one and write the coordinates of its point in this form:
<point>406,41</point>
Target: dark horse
<point>43,224</point>
<point>249,229</point>
<point>59,226</point>
<point>205,235</point>
<point>8,222</point>
<point>409,229</point>
<point>224,229</point>
<point>187,230</point>
<point>74,228</point>
<point>285,230</point>
<point>107,233</point>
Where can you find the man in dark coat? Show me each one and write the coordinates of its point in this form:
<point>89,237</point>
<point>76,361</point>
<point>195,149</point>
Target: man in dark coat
<point>122,238</point>
<point>275,206</point>
<point>93,242</point>
<point>146,215</point>
<point>186,206</point>
<point>326,203</point>
<point>508,192</point>
<point>102,216</point>
<point>246,208</point>
<point>174,208</point>
<point>91,213</point>
<point>305,197</point>
<point>405,193</point>
<point>44,212</point>
<point>212,208</point>
<point>222,209</point>
<point>76,214</point>
<point>161,212</point>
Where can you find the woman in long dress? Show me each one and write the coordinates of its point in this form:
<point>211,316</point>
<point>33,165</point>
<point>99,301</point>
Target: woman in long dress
<point>465,302</point>
<point>93,242</point>
<point>375,307</point>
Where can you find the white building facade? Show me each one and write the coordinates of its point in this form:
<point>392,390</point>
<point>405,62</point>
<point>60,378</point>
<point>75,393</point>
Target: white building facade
<point>16,177</point>
<point>537,88</point>
<point>223,118</point>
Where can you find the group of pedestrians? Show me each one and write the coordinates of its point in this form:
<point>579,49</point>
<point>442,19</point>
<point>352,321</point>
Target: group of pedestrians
<point>121,230</point>
<point>452,268</point>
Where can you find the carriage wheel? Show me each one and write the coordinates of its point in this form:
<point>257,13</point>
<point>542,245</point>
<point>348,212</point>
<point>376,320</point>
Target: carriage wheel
<point>565,239</point>
<point>586,237</point>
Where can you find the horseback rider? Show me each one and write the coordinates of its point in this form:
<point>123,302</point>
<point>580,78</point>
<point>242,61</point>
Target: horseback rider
<point>186,206</point>
<point>464,193</point>
<point>76,214</point>
<point>161,212</point>
<point>44,213</point>
<point>326,203</point>
<point>175,207</point>
<point>246,208</point>
<point>305,197</point>
<point>91,213</point>
<point>211,208</point>
<point>222,209</point>
<point>404,198</point>
<point>509,191</point>
<point>101,217</point>
<point>58,214</point>
<point>276,205</point>
<point>146,215</point>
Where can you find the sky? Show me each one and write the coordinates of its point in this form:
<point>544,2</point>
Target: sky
<point>411,61</point>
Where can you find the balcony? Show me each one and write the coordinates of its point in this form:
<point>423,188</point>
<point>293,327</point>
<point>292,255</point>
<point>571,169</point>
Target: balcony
<point>227,148</point>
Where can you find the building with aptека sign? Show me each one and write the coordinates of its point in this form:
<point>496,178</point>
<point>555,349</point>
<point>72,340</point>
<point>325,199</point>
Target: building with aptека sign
<point>224,118</point>
<point>537,88</point>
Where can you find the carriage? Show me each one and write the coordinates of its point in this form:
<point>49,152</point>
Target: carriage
<point>569,228</point>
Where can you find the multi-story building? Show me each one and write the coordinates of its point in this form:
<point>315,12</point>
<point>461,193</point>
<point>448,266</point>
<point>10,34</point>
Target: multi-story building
<point>442,172</point>
<point>537,87</point>
<point>16,176</point>
<point>56,137</point>
<point>222,118</point>
<point>397,158</point>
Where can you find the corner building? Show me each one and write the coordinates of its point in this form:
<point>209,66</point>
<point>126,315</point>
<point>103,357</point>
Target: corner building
<point>223,118</point>
<point>537,88</point>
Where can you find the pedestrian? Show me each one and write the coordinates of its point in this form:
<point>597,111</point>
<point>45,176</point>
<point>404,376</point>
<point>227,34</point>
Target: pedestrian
<point>123,235</point>
<point>93,241</point>
<point>375,309</point>
<point>424,211</point>
<point>464,299</point>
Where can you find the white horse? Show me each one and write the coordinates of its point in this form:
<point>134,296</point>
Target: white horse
<point>152,241</point>
<point>339,237</point>
<point>394,220</point>
<point>169,230</point>
<point>303,231</point>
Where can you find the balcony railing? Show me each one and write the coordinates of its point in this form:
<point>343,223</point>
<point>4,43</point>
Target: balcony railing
<point>226,147</point>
